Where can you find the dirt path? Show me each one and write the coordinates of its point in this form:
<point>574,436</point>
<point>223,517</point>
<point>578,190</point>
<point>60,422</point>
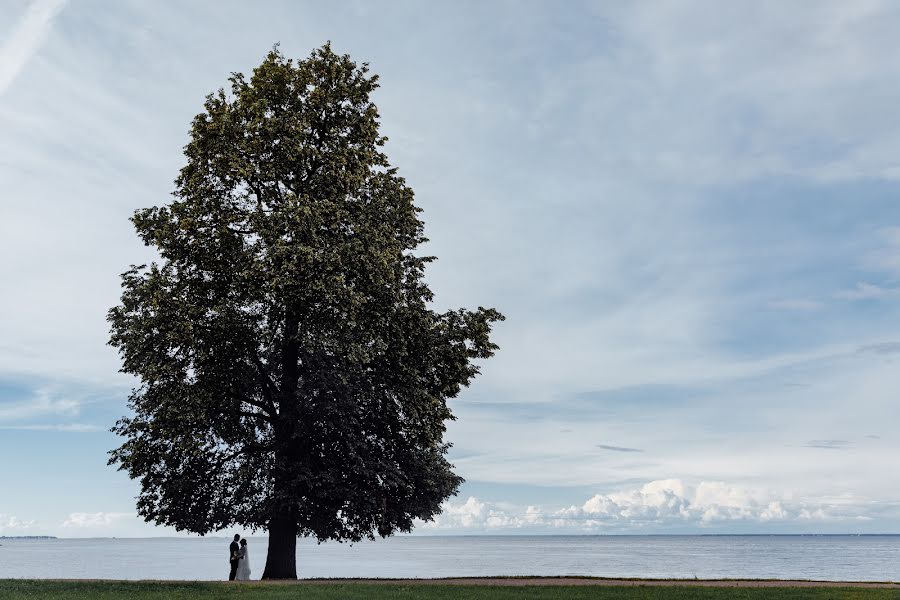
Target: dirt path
<point>550,581</point>
<point>581,581</point>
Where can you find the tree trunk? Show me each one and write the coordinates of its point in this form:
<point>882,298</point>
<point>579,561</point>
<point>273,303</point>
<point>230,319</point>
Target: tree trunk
<point>281,560</point>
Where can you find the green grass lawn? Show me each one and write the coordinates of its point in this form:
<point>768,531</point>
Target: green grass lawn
<point>14,589</point>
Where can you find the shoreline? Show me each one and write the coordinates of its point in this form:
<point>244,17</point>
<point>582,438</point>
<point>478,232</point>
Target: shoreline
<point>520,582</point>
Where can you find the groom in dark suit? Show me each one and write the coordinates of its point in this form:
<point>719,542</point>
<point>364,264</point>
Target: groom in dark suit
<point>233,551</point>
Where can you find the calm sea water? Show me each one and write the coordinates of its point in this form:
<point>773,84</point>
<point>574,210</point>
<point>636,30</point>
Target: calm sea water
<point>862,558</point>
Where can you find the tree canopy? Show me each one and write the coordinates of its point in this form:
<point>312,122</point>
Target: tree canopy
<point>294,376</point>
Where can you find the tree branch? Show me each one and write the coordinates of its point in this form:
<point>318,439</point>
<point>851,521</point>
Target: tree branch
<point>259,405</point>
<point>267,385</point>
<point>248,449</point>
<point>267,416</point>
<point>245,413</point>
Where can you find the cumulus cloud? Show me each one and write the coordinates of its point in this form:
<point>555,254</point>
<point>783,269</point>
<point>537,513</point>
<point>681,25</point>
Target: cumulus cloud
<point>97,519</point>
<point>661,503</point>
<point>672,501</point>
<point>475,514</point>
<point>10,523</point>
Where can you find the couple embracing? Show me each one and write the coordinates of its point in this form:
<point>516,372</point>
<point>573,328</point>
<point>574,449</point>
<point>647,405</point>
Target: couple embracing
<point>239,559</point>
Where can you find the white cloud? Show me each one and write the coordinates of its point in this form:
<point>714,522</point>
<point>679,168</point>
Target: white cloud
<point>44,401</point>
<point>657,504</point>
<point>865,291</point>
<point>71,427</point>
<point>883,258</point>
<point>12,524</point>
<point>26,39</point>
<point>478,515</point>
<point>771,89</point>
<point>97,519</point>
<point>671,500</point>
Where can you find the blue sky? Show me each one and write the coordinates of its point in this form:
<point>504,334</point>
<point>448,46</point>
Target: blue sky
<point>688,212</point>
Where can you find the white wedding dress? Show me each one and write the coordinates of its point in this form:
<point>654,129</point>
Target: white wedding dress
<point>243,570</point>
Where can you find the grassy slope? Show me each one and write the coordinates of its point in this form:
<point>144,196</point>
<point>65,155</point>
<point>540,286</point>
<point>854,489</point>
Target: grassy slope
<point>15,589</point>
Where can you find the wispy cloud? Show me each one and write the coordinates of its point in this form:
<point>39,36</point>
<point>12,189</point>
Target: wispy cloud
<point>800,304</point>
<point>865,291</point>
<point>827,444</point>
<point>618,448</point>
<point>886,258</point>
<point>882,348</point>
<point>71,427</point>
<point>43,401</point>
<point>26,39</point>
<point>97,519</point>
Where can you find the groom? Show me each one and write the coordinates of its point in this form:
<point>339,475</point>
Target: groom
<point>233,550</point>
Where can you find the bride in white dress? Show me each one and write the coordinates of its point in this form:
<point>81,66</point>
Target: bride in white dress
<point>243,570</point>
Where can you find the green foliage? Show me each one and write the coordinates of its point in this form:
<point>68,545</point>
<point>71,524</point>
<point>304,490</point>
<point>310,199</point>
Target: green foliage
<point>291,366</point>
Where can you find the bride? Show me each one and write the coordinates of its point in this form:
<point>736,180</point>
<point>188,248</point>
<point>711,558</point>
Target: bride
<point>243,570</point>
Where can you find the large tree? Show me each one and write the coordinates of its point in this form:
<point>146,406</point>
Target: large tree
<point>294,376</point>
